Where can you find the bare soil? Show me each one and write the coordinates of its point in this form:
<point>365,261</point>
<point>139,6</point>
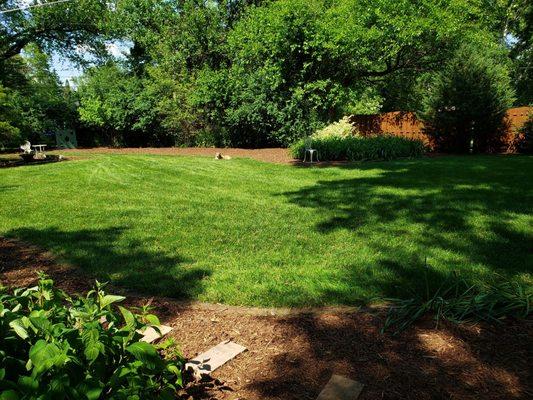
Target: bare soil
<point>292,353</point>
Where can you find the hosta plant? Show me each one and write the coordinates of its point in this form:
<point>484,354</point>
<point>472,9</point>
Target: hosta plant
<point>53,346</point>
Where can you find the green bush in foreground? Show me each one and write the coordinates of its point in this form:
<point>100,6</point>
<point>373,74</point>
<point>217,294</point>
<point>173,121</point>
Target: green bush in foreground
<point>53,346</point>
<point>334,148</point>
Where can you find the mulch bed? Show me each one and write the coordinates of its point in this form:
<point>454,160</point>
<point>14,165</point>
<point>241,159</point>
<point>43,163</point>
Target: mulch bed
<point>275,155</point>
<point>293,354</point>
<point>16,161</point>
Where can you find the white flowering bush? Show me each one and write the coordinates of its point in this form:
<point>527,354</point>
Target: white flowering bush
<point>341,129</point>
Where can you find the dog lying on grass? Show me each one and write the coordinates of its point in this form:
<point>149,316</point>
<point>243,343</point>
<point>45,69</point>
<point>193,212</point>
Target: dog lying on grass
<point>219,156</point>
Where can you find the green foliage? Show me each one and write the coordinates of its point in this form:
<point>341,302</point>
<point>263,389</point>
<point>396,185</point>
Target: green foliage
<point>62,27</point>
<point>248,72</point>
<point>341,129</point>
<point>465,107</point>
<point>9,134</point>
<point>522,75</point>
<point>32,100</point>
<point>517,23</point>
<point>458,301</point>
<point>525,136</point>
<point>355,148</point>
<point>54,346</point>
<point>293,65</point>
<point>119,107</point>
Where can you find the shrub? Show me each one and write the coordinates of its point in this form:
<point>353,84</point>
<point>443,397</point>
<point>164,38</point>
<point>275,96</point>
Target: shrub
<point>466,105</point>
<point>354,148</point>
<point>342,128</point>
<point>53,346</point>
<point>525,137</point>
<point>9,135</point>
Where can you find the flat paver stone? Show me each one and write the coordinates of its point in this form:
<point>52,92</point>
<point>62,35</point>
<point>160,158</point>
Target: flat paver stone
<point>151,335</point>
<point>215,357</point>
<point>340,388</point>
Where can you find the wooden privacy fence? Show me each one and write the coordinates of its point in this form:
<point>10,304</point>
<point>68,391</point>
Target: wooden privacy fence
<point>406,124</point>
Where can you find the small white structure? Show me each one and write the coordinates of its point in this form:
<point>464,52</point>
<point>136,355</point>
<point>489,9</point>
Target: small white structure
<point>26,147</point>
<point>309,150</point>
<point>213,358</point>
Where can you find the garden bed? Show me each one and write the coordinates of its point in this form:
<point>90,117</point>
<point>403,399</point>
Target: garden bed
<point>293,354</point>
<point>17,161</point>
<point>274,155</point>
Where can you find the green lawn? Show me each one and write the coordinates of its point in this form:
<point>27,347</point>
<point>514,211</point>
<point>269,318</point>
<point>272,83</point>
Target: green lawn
<point>246,232</point>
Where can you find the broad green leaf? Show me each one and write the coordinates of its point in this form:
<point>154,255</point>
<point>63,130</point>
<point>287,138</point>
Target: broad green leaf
<point>93,346</point>
<point>44,355</point>
<point>59,384</point>
<point>152,319</point>
<point>90,389</point>
<point>110,299</point>
<point>28,383</point>
<point>176,371</point>
<point>146,353</point>
<point>94,393</point>
<point>129,318</point>
<point>18,327</point>
<point>40,322</point>
<point>9,395</point>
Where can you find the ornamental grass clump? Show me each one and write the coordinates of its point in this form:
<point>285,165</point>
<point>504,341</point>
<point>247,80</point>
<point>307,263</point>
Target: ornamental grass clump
<point>53,346</point>
<point>458,301</point>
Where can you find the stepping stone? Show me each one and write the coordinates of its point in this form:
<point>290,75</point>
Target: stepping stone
<point>151,335</point>
<point>213,358</point>
<point>340,388</point>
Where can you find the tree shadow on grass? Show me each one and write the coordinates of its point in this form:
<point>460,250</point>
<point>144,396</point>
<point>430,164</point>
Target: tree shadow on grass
<point>94,253</point>
<point>462,212</point>
<point>5,188</point>
<point>459,212</point>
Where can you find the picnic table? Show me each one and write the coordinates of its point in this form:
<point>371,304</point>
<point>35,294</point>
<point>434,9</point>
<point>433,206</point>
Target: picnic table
<point>39,148</point>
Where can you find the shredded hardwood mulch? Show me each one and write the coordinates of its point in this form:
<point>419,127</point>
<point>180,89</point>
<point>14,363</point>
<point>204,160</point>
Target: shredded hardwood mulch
<point>274,155</point>
<point>293,354</point>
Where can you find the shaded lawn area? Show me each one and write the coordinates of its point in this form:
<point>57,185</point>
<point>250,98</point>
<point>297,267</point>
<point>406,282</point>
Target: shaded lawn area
<point>252,233</point>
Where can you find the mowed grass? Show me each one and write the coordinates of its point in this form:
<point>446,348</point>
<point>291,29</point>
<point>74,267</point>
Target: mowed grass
<point>251,233</point>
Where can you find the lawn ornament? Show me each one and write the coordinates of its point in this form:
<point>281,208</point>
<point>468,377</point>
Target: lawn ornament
<point>219,156</point>
<point>26,147</point>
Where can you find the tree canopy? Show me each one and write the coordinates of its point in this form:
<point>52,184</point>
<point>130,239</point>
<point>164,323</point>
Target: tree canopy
<point>255,72</point>
<point>61,27</point>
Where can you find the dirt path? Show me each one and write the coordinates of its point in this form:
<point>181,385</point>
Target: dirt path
<point>275,155</point>
<point>293,354</point>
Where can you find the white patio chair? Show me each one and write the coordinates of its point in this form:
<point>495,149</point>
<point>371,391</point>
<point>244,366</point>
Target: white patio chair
<point>309,150</point>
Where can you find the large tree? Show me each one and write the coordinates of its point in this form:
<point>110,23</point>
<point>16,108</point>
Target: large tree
<point>466,105</point>
<point>63,27</point>
<point>292,64</point>
<point>33,101</point>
